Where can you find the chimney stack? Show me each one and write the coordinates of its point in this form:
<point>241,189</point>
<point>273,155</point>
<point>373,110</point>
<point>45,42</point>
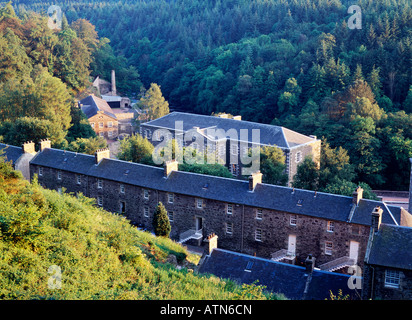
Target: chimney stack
<point>28,147</point>
<point>376,218</point>
<point>239,118</point>
<point>357,195</point>
<point>310,264</point>
<point>212,242</point>
<point>170,166</point>
<point>254,179</point>
<point>45,144</point>
<point>102,154</point>
<point>114,82</point>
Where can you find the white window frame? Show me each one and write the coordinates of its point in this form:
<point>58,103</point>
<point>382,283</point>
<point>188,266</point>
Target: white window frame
<point>229,208</point>
<point>122,188</point>
<point>330,226</point>
<point>328,248</point>
<point>298,156</point>
<point>258,235</point>
<point>78,179</point>
<point>234,149</point>
<point>171,216</point>
<point>59,175</point>
<point>259,214</point>
<point>99,184</point>
<point>229,228</point>
<point>110,134</point>
<point>199,203</point>
<point>101,125</point>
<point>170,197</point>
<point>146,211</point>
<point>293,220</point>
<point>146,194</point>
<point>392,278</point>
<point>110,124</point>
<point>92,125</point>
<point>40,171</point>
<point>100,201</point>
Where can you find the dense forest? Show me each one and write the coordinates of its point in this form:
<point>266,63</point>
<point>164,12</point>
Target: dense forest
<point>291,63</point>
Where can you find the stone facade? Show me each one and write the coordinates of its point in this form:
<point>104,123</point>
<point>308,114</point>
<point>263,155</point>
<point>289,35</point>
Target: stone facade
<point>104,125</point>
<point>410,189</point>
<point>240,228</point>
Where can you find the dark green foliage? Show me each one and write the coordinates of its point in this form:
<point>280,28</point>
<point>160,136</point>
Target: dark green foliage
<point>161,223</point>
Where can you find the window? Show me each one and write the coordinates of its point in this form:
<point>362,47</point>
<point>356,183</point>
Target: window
<point>101,125</point>
<point>146,211</point>
<point>229,209</point>
<point>59,190</point>
<point>199,203</point>
<point>122,207</point>
<point>170,197</point>
<point>259,214</point>
<point>146,194</point>
<point>328,247</point>
<point>110,134</point>
<point>78,179</point>
<point>101,134</point>
<point>59,175</point>
<point>392,278</point>
<point>100,200</point>
<point>171,216</point>
<point>40,171</point>
<point>110,124</point>
<point>249,266</point>
<point>298,157</point>
<point>330,227</point>
<point>99,183</point>
<point>229,228</point>
<point>234,149</point>
<point>122,189</point>
<point>258,234</point>
<point>293,220</point>
<point>92,124</point>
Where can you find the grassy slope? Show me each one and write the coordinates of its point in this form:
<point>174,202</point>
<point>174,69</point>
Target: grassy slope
<point>101,255</point>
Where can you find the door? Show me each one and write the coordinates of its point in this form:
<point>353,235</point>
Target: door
<point>292,244</point>
<point>353,251</point>
<point>199,223</point>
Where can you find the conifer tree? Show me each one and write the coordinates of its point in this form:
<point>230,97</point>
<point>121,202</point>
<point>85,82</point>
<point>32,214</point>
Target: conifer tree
<point>161,223</point>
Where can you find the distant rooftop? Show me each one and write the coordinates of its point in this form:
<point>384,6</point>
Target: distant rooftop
<point>11,153</point>
<point>92,105</point>
<point>269,134</point>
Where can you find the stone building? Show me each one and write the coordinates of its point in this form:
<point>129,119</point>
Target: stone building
<point>388,262</point>
<point>410,190</point>
<point>230,139</point>
<point>19,156</point>
<point>101,117</point>
<point>269,221</point>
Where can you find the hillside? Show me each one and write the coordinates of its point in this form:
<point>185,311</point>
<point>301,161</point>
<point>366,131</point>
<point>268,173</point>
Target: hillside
<point>100,255</point>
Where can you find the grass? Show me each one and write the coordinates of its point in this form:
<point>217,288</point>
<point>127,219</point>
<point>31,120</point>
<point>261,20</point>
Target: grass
<point>100,255</point>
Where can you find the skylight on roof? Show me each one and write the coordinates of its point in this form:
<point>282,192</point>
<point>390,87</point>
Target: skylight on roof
<point>249,266</point>
<point>127,172</point>
<point>300,201</point>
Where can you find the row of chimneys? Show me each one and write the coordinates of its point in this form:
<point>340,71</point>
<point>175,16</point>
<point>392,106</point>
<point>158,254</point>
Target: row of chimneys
<point>29,146</point>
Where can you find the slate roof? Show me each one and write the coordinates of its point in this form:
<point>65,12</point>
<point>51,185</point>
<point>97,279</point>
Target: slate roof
<point>93,104</point>
<point>298,201</point>
<point>278,277</point>
<point>391,247</point>
<point>269,134</point>
<point>11,153</point>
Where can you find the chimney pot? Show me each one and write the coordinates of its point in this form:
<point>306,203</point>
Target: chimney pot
<point>211,240</point>
<point>44,144</point>
<point>172,165</point>
<point>254,179</point>
<point>376,218</point>
<point>310,264</point>
<point>357,195</point>
<point>29,147</point>
<point>102,154</point>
